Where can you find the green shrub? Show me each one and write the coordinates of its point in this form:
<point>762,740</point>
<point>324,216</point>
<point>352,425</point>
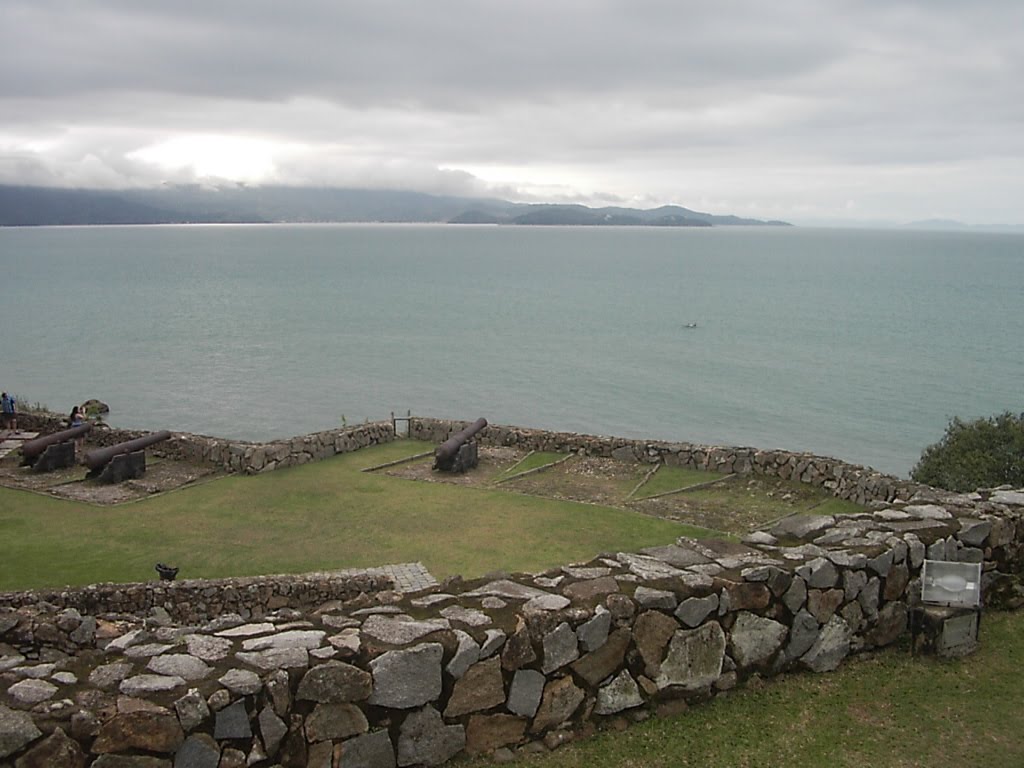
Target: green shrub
<point>975,454</point>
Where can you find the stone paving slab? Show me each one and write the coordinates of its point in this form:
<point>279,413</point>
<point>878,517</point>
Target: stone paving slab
<point>408,577</point>
<point>12,440</point>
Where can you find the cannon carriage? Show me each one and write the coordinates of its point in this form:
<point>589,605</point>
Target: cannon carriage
<point>53,451</point>
<point>459,452</point>
<point>123,461</point>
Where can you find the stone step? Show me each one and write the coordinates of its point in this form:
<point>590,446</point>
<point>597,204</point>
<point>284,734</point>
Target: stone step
<point>11,440</point>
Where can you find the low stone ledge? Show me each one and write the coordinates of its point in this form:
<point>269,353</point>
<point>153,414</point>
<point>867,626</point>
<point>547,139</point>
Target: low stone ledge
<point>198,600</point>
<point>236,455</point>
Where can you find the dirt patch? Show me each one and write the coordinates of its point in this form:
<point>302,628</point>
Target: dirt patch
<point>72,483</point>
<point>737,504</point>
<point>580,478</point>
<point>583,478</point>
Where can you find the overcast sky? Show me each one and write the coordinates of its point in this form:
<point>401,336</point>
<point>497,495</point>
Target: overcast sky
<point>809,111</point>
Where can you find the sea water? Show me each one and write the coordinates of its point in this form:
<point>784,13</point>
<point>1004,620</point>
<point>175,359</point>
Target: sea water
<point>851,343</point>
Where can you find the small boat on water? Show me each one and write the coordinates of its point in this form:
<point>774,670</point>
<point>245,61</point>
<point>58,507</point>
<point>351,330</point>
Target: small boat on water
<point>690,325</point>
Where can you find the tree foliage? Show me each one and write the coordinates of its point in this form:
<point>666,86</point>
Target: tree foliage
<point>975,454</point>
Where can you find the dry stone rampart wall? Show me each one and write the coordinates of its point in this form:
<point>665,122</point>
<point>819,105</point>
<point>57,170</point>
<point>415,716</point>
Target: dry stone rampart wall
<point>236,455</point>
<point>253,458</point>
<point>200,600</point>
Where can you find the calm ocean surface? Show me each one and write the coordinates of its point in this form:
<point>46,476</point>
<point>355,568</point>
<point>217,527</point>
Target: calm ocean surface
<point>851,343</point>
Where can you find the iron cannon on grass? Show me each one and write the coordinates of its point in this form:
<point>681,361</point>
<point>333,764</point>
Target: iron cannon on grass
<point>459,452</point>
<point>53,451</point>
<point>124,461</point>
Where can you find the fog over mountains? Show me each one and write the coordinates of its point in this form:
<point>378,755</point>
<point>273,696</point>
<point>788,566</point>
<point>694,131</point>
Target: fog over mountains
<point>42,206</point>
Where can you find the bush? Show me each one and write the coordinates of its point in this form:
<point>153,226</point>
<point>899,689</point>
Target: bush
<point>975,454</point>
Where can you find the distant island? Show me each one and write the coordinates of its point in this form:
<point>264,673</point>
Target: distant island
<point>23,206</point>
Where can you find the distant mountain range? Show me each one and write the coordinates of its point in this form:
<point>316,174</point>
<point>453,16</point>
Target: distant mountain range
<point>42,206</point>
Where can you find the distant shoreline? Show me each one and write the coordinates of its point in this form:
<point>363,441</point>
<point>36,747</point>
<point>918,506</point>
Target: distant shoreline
<point>55,206</point>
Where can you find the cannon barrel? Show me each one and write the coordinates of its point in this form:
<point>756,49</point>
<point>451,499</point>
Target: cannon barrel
<point>32,448</point>
<point>96,458</point>
<point>445,453</point>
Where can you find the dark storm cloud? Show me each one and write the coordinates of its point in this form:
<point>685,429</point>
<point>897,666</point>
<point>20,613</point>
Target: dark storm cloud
<point>606,99</point>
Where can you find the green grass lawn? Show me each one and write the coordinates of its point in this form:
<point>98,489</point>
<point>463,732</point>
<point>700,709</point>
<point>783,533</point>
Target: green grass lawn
<point>531,461</point>
<point>319,516</point>
<point>673,478</point>
<point>888,711</point>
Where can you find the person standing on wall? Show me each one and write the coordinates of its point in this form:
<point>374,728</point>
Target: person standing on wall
<point>8,412</point>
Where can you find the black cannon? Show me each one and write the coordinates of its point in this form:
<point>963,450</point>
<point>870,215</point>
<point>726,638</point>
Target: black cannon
<point>459,452</point>
<point>53,451</point>
<point>124,461</point>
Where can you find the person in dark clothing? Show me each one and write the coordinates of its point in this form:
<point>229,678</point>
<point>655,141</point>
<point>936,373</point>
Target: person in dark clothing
<point>77,419</point>
<point>8,412</point>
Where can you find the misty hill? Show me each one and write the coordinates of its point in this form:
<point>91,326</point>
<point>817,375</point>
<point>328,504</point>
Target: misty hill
<point>31,206</point>
<point>580,215</point>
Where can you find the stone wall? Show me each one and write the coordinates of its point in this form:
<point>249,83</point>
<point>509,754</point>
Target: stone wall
<point>253,458</point>
<point>199,600</point>
<point>861,485</point>
<point>234,455</point>
<point>505,665</point>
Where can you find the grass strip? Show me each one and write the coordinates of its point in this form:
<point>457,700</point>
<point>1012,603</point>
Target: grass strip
<point>674,479</point>
<point>521,462</point>
<point>535,469</point>
<point>690,488</point>
<point>650,473</point>
<point>396,462</point>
